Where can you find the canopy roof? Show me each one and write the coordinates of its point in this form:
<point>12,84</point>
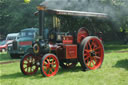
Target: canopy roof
<point>77,13</point>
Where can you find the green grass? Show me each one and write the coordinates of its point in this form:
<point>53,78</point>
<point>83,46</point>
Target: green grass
<point>115,47</point>
<point>5,57</point>
<point>114,71</point>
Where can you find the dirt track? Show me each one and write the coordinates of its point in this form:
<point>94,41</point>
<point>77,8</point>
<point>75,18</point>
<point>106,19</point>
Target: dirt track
<point>12,61</point>
<point>117,52</point>
<point>7,62</point>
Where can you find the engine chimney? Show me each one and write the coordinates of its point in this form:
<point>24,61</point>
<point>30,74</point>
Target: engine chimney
<point>41,10</point>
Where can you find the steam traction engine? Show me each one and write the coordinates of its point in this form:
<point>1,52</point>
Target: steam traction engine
<point>63,49</point>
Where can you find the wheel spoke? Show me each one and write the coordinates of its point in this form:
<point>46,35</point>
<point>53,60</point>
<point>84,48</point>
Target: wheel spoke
<point>93,44</point>
<point>90,46</point>
<point>33,60</point>
<point>93,63</point>
<point>87,61</point>
<point>85,54</point>
<point>27,60</point>
<point>96,53</point>
<point>48,61</point>
<point>94,59</point>
<point>87,51</point>
<point>25,67</point>
<point>46,70</point>
<point>49,71</point>
<point>97,57</point>
<point>87,57</point>
<point>95,49</point>
<point>30,69</point>
<point>33,64</point>
<point>90,63</point>
<point>45,63</point>
<point>53,62</point>
<point>53,68</point>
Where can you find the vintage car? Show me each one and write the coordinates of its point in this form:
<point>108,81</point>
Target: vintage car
<point>9,39</point>
<point>23,43</point>
<point>3,46</point>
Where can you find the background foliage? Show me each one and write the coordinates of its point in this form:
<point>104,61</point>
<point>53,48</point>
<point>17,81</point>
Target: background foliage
<point>16,15</point>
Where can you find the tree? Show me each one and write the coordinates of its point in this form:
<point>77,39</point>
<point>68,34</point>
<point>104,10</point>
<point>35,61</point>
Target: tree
<point>16,15</point>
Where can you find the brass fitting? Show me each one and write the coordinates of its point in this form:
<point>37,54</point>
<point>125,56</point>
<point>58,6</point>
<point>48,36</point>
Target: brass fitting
<point>40,7</point>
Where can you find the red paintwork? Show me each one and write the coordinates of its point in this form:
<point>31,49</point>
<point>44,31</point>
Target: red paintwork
<point>67,51</point>
<point>3,47</point>
<point>82,33</point>
<point>52,63</point>
<point>27,66</point>
<point>71,51</point>
<point>93,62</point>
<point>26,43</point>
<point>52,46</point>
<point>68,39</point>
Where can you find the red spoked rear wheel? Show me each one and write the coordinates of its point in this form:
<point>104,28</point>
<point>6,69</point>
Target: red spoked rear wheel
<point>91,53</point>
<point>28,64</point>
<point>49,65</point>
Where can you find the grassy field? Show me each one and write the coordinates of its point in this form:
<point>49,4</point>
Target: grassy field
<point>115,47</point>
<point>114,71</point>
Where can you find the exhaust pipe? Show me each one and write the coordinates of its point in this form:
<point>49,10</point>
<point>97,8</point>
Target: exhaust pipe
<point>41,10</point>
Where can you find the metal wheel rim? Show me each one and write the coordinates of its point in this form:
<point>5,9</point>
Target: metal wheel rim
<point>29,65</point>
<point>93,54</point>
<point>50,65</point>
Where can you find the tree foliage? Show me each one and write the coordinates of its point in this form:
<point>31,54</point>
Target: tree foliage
<point>16,15</point>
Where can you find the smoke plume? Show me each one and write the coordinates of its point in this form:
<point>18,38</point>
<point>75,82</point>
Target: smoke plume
<point>101,6</point>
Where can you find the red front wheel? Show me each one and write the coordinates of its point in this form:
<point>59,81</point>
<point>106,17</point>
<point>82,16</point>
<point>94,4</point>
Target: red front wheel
<point>91,53</point>
<point>49,65</point>
<point>28,64</point>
